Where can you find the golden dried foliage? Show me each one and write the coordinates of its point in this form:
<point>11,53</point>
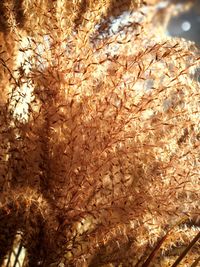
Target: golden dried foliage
<point>99,135</point>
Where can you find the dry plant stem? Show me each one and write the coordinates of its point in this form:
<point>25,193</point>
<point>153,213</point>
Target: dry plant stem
<point>196,262</point>
<point>149,260</point>
<point>17,255</point>
<point>188,248</point>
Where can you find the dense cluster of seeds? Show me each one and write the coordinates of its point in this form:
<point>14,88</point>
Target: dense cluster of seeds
<point>100,135</point>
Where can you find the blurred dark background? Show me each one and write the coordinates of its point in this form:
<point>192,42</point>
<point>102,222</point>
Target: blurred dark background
<point>187,23</point>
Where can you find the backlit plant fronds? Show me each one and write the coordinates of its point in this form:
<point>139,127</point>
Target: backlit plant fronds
<point>99,136</point>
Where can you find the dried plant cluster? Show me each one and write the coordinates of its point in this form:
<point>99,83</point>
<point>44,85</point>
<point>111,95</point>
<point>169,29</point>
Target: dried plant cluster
<point>99,136</point>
